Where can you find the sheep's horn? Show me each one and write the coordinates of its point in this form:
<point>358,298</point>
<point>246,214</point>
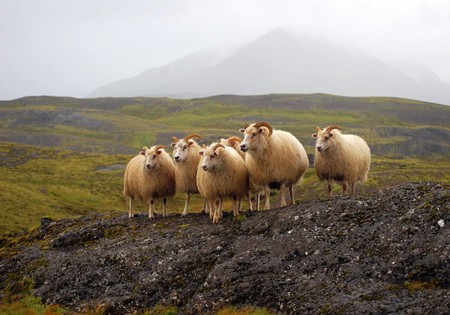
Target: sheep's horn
<point>318,129</point>
<point>143,150</point>
<point>192,135</point>
<point>157,147</point>
<point>265,124</point>
<point>234,139</point>
<point>174,140</point>
<point>329,128</point>
<point>217,145</point>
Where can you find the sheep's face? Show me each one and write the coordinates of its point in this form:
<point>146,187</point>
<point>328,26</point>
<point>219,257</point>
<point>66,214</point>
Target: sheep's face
<point>181,150</point>
<point>254,137</point>
<point>211,157</point>
<point>152,156</point>
<point>326,138</point>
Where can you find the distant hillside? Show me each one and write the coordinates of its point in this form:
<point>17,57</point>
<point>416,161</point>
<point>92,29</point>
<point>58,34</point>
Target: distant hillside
<point>280,62</point>
<point>122,125</point>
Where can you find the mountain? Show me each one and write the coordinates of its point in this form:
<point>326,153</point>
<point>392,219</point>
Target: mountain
<point>280,62</point>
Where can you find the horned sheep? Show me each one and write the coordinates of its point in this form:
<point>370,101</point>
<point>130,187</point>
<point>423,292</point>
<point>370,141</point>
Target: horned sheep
<point>223,175</point>
<point>150,176</point>
<point>275,158</point>
<point>186,157</point>
<point>254,190</point>
<point>343,158</point>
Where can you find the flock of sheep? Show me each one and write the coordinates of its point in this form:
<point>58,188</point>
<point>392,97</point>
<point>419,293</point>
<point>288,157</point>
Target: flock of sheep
<point>241,168</point>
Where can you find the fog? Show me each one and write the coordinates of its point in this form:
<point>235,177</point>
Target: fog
<point>71,47</point>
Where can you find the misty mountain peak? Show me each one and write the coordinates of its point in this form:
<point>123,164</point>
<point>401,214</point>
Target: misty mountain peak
<point>280,61</point>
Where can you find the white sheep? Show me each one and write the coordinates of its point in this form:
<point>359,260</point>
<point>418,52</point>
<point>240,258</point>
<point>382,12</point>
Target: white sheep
<point>150,176</point>
<point>186,157</point>
<point>343,158</point>
<point>257,191</point>
<point>223,175</point>
<point>275,159</point>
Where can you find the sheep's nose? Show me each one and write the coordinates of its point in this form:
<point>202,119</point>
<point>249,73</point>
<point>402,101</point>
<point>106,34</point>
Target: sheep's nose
<point>244,147</point>
<point>177,158</point>
<point>148,166</point>
<point>204,167</point>
<point>319,148</point>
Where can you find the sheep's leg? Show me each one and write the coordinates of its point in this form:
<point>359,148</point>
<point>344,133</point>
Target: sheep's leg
<point>151,209</point>
<point>291,193</point>
<point>344,188</point>
<point>217,211</point>
<point>205,208</point>
<point>330,188</point>
<point>219,204</point>
<point>258,197</point>
<point>266,197</point>
<point>186,204</point>
<point>235,207</point>
<point>212,209</point>
<point>353,185</point>
<point>164,204</point>
<point>250,203</point>
<point>130,207</point>
<point>283,195</point>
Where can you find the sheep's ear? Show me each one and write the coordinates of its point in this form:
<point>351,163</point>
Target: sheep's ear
<point>201,152</point>
<point>174,141</point>
<point>314,135</point>
<point>242,130</point>
<point>190,142</point>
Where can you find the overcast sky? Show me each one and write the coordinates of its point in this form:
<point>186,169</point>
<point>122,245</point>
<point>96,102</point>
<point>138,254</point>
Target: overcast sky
<point>71,47</point>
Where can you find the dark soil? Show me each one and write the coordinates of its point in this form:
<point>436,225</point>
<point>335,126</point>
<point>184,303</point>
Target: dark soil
<point>387,253</point>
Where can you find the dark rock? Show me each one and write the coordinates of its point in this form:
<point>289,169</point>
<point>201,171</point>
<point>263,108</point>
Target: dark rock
<point>385,253</point>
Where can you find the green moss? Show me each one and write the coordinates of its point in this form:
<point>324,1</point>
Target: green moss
<point>413,286</point>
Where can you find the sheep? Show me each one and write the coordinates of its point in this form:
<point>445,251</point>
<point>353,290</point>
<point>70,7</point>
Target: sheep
<point>150,176</point>
<point>235,143</point>
<point>223,174</point>
<point>343,158</point>
<point>275,159</point>
<point>186,157</point>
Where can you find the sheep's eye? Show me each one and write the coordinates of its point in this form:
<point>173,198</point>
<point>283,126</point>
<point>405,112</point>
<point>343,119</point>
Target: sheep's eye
<point>185,147</point>
<point>154,156</point>
<point>254,134</point>
<point>212,156</point>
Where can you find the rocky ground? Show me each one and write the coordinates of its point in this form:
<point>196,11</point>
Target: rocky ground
<point>384,253</point>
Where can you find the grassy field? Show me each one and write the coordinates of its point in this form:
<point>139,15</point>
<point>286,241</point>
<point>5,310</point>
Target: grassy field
<point>39,182</point>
